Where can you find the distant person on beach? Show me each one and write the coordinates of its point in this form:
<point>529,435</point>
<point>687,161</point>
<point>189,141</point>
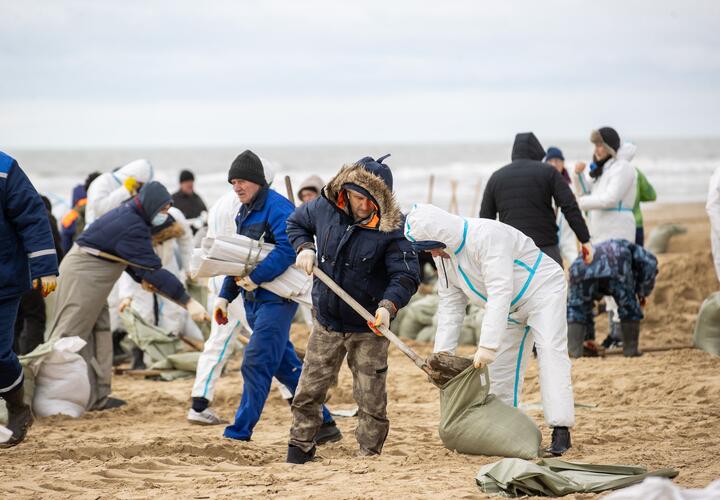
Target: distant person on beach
<point>29,261</point>
<point>110,189</point>
<point>713,211</point>
<point>645,193</point>
<point>31,317</point>
<point>355,230</point>
<point>72,223</point>
<point>189,202</point>
<point>269,353</point>
<point>120,240</point>
<point>619,269</point>
<point>491,264</point>
<point>310,188</point>
<point>521,194</point>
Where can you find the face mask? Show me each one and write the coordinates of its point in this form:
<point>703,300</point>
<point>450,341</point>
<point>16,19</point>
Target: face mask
<point>159,219</point>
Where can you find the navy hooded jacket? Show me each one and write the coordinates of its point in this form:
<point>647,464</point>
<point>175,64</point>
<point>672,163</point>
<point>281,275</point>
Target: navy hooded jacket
<point>264,218</point>
<point>125,232</point>
<point>371,260</point>
<point>27,248</point>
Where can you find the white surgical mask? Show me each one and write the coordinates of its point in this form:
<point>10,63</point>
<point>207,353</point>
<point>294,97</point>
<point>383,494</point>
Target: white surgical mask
<point>159,219</point>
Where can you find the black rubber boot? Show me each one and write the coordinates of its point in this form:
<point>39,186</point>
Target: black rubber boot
<point>328,433</point>
<point>297,456</point>
<point>631,338</point>
<point>576,337</point>
<point>20,416</point>
<point>560,441</point>
<point>138,363</point>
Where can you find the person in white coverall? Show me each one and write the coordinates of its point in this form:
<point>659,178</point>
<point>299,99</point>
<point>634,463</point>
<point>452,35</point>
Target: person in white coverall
<point>489,263</point>
<point>713,210</point>
<point>607,193</point>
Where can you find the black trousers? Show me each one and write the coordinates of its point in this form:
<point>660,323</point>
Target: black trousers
<point>30,322</point>
<point>553,251</point>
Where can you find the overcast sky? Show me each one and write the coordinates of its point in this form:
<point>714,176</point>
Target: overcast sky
<point>168,73</point>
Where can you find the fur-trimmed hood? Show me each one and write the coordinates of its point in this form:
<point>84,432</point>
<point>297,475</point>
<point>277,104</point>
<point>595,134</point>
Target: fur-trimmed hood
<point>389,210</point>
<point>174,230</point>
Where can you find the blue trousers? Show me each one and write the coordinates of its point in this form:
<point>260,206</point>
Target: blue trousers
<point>10,369</point>
<point>270,353</point>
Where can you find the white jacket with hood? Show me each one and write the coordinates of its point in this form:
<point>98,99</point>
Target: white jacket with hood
<point>609,199</point>
<point>108,192</point>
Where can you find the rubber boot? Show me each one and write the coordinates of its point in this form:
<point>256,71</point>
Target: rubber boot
<point>138,363</point>
<point>328,433</point>
<point>576,337</point>
<point>631,337</point>
<point>560,441</point>
<point>20,416</point>
<point>296,455</point>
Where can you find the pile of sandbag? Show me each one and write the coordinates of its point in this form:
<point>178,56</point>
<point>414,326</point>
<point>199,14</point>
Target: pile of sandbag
<point>475,422</point>
<point>238,255</point>
<point>418,321</point>
<point>707,328</point>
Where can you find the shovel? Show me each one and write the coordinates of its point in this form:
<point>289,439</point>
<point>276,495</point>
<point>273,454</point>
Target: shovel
<point>444,366</point>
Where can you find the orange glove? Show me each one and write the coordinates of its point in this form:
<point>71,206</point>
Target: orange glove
<point>587,253</point>
<point>382,318</point>
<point>46,285</point>
<point>220,311</point>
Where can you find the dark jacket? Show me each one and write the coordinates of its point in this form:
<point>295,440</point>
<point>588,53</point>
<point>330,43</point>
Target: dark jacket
<point>523,191</point>
<point>125,232</point>
<point>190,205</point>
<point>27,249</point>
<point>264,218</point>
<point>370,260</point>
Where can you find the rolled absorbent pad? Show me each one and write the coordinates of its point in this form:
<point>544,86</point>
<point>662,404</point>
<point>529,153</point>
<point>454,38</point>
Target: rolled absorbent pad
<point>238,255</point>
<point>475,422</point>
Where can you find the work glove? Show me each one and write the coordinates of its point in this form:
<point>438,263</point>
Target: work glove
<point>132,185</point>
<point>642,300</point>
<point>305,260</point>
<point>46,285</point>
<point>124,304</point>
<point>587,252</point>
<point>580,167</point>
<point>483,357</point>
<point>382,318</point>
<point>246,283</point>
<point>220,311</point>
<point>197,311</point>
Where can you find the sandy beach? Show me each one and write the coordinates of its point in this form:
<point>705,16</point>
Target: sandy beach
<point>660,410</point>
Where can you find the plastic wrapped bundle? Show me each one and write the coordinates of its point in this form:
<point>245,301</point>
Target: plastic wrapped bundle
<point>238,255</point>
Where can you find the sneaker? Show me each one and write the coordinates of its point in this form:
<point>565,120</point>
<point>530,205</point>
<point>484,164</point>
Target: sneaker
<point>328,433</point>
<point>205,417</point>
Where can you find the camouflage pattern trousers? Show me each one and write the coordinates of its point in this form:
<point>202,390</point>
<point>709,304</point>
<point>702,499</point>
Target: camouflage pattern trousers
<point>584,293</point>
<point>367,358</point>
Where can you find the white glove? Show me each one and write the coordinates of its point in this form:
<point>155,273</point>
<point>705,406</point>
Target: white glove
<point>124,304</point>
<point>246,283</point>
<point>197,311</point>
<point>382,318</point>
<point>306,260</point>
<point>220,311</point>
<point>483,356</point>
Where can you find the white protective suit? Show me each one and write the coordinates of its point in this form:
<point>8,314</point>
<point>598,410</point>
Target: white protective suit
<point>107,191</point>
<point>609,199</point>
<point>524,294</point>
<point>713,210</point>
<point>175,256</point>
<point>218,347</point>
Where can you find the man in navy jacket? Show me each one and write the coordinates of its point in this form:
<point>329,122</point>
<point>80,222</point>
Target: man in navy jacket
<point>88,276</point>
<point>270,353</point>
<point>28,258</point>
<point>357,225</point>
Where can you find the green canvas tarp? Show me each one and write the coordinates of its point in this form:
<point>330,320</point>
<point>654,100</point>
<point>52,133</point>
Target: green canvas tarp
<point>155,342</point>
<point>707,328</point>
<point>513,477</point>
<point>475,422</point>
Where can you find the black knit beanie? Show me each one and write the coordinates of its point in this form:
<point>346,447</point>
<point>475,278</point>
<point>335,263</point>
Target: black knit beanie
<point>607,136</point>
<point>247,166</point>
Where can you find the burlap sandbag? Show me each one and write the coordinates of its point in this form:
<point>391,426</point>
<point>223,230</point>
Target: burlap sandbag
<point>659,238</point>
<point>475,422</point>
<point>707,328</point>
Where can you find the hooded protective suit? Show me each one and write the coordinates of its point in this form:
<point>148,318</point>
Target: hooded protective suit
<point>313,182</point>
<point>713,210</point>
<point>523,291</point>
<point>108,192</point>
<point>610,198</point>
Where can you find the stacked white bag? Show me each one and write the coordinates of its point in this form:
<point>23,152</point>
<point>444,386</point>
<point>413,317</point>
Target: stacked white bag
<point>238,255</point>
<point>61,380</point>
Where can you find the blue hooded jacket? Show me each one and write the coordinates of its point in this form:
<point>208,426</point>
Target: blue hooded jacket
<point>27,248</point>
<point>125,232</point>
<point>264,218</point>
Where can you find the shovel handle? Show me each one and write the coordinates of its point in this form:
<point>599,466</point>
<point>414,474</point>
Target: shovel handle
<point>365,314</point>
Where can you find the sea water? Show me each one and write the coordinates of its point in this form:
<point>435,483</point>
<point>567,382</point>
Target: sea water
<point>679,169</point>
